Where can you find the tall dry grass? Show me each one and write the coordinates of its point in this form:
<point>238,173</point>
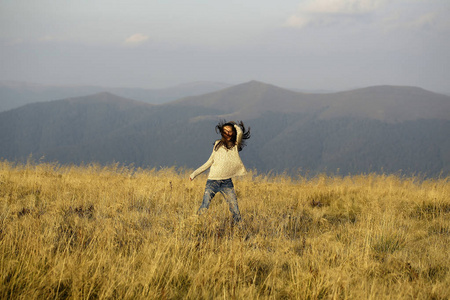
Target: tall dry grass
<point>88,232</point>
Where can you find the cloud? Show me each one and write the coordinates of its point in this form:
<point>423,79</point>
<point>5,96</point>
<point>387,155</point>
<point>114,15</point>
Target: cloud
<point>393,14</point>
<point>425,21</point>
<point>420,17</point>
<point>329,12</point>
<point>342,6</point>
<point>136,39</point>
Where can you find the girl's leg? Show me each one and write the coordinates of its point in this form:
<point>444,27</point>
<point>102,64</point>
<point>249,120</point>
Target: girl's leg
<point>210,192</point>
<point>230,195</point>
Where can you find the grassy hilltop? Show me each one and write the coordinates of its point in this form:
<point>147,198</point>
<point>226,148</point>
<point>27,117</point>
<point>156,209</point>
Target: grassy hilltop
<point>123,233</point>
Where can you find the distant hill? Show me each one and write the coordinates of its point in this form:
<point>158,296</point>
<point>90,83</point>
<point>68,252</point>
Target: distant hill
<point>376,129</point>
<point>250,100</point>
<point>384,103</point>
<point>16,94</point>
<point>388,103</point>
<point>40,128</point>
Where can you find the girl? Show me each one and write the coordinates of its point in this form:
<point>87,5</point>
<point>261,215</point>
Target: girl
<point>225,163</point>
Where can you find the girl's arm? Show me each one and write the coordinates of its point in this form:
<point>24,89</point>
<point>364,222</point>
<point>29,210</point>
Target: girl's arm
<point>239,134</point>
<point>203,167</point>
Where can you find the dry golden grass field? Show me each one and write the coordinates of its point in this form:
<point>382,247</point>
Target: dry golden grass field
<point>93,232</point>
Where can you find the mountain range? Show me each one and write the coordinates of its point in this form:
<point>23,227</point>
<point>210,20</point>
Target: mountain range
<point>14,94</point>
<point>375,129</point>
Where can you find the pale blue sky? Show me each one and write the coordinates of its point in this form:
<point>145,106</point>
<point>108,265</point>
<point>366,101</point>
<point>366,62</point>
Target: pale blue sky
<point>320,44</point>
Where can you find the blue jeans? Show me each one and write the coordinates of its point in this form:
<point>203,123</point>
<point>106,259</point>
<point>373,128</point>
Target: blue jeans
<point>226,187</point>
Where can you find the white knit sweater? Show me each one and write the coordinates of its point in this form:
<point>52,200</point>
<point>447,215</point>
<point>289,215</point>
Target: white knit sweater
<point>224,163</point>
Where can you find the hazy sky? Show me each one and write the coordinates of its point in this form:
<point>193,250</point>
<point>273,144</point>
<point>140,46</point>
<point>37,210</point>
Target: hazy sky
<point>306,44</point>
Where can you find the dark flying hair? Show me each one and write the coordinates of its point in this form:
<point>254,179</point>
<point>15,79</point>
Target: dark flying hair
<point>230,144</point>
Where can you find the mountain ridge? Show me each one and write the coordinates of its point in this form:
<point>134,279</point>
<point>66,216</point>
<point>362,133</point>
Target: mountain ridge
<point>291,134</point>
<point>14,94</point>
<point>385,103</point>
